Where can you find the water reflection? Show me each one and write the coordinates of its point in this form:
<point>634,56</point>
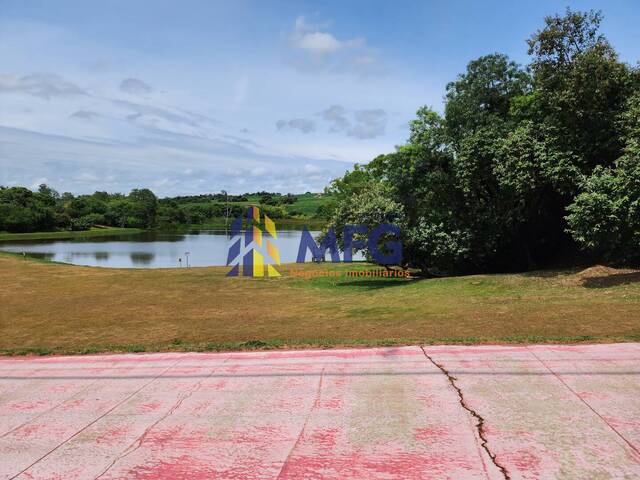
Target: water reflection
<point>148,249</point>
<point>141,258</point>
<point>42,256</point>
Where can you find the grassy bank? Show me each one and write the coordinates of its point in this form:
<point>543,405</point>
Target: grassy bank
<point>52,308</point>
<point>64,235</point>
<point>214,224</point>
<point>220,224</point>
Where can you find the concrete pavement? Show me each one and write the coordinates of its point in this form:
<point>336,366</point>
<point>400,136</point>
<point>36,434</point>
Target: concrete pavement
<point>486,412</point>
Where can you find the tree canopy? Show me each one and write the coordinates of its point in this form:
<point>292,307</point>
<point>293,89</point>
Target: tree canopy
<point>527,166</point>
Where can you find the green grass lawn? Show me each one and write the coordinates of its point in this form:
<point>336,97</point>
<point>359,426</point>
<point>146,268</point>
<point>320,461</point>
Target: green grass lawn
<point>56,308</point>
<point>63,235</point>
<point>281,224</point>
<point>306,203</point>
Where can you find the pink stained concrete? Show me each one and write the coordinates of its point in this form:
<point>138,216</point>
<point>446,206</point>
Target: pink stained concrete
<point>385,413</point>
<point>536,425</point>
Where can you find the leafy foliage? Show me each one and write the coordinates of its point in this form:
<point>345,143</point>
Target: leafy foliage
<point>605,216</point>
<point>22,210</point>
<point>526,166</point>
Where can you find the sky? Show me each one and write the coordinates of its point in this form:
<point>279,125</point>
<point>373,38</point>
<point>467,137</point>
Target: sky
<point>188,97</point>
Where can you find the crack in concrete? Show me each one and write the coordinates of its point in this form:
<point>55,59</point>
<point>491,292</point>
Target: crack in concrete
<point>479,419</point>
<point>140,440</point>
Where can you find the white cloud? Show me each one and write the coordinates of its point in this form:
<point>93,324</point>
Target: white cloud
<point>308,168</point>
<point>369,124</point>
<point>134,86</point>
<point>309,37</point>
<point>84,114</point>
<point>87,178</point>
<point>322,50</point>
<point>43,85</point>
<point>259,172</point>
<point>303,124</point>
<point>120,138</point>
<point>169,164</point>
<point>37,182</point>
<point>335,115</point>
<point>318,42</point>
<point>366,124</point>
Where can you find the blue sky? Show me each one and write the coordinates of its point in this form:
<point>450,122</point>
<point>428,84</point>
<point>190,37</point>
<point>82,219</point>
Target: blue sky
<point>198,96</point>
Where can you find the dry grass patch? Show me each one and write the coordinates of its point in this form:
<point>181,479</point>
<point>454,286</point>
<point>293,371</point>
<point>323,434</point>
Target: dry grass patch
<point>53,307</point>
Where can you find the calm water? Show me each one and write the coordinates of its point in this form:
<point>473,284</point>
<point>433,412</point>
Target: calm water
<point>148,249</point>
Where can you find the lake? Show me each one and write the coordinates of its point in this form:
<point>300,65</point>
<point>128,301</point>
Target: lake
<point>149,249</point>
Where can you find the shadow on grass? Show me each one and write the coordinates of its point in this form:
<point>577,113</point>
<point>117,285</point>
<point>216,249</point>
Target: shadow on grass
<point>551,273</point>
<point>378,284</point>
<point>612,280</point>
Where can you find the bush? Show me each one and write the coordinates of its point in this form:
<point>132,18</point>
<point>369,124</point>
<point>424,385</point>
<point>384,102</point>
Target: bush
<point>277,211</point>
<point>93,219</point>
<point>80,224</point>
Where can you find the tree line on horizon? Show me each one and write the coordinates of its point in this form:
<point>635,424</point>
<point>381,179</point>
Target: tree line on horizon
<point>528,166</point>
<point>23,210</point>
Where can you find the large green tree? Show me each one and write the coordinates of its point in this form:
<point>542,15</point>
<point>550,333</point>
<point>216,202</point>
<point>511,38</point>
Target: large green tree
<point>605,217</point>
<point>22,210</point>
<point>482,96</point>
<point>581,85</point>
<point>488,185</point>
